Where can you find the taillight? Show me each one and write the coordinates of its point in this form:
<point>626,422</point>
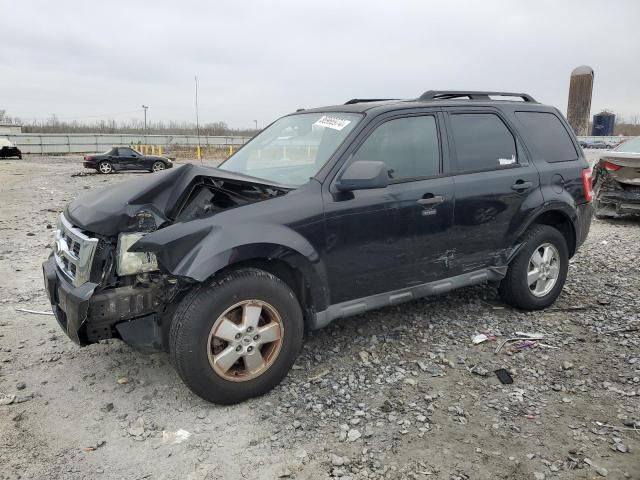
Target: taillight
<point>88,157</point>
<point>587,184</point>
<point>610,166</point>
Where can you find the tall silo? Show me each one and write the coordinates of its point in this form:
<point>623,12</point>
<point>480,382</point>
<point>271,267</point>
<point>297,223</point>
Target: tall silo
<point>579,108</point>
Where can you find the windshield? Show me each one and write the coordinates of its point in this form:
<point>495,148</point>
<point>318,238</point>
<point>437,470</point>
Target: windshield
<point>630,146</point>
<point>293,148</point>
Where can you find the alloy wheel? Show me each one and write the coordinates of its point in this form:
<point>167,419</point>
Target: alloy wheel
<point>544,270</point>
<point>245,340</point>
<point>158,166</point>
<point>105,167</point>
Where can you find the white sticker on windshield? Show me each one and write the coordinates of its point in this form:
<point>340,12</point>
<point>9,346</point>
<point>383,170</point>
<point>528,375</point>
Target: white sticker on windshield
<point>507,161</point>
<point>336,123</point>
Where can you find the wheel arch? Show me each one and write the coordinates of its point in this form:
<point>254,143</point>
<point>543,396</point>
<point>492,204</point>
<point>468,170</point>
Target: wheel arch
<point>203,254</point>
<point>558,217</point>
<point>301,284</point>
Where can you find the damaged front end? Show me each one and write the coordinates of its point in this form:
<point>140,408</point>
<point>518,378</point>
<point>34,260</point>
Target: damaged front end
<point>98,287</point>
<point>616,179</point>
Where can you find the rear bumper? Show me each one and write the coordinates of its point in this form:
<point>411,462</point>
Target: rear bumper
<point>620,202</point>
<point>89,165</point>
<point>583,225</point>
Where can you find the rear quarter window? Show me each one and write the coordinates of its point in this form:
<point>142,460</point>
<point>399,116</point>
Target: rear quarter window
<point>548,136</point>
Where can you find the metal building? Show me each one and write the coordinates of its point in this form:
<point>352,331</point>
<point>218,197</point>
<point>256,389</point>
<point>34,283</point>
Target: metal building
<point>10,128</point>
<point>579,108</point>
<point>603,124</point>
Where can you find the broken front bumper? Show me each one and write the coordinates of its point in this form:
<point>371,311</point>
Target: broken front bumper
<point>69,304</point>
<point>129,313</point>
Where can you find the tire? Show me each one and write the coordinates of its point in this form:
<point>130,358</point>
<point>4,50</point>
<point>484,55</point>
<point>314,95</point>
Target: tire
<point>514,287</point>
<point>191,336</point>
<point>105,167</point>
<point>158,166</point>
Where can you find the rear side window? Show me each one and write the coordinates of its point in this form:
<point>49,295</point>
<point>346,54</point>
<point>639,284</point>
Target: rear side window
<point>408,147</point>
<point>482,142</point>
<point>550,139</point>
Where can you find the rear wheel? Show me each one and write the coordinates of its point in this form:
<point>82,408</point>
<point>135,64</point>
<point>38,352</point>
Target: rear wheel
<point>238,338</point>
<point>105,167</point>
<point>537,275</point>
<point>158,166</point>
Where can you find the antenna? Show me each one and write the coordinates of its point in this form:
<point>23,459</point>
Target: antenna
<point>198,121</point>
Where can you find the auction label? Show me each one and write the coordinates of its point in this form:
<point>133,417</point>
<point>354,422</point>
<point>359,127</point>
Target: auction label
<point>335,123</point>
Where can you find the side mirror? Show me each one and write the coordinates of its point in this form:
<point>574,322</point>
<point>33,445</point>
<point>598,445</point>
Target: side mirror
<point>363,175</point>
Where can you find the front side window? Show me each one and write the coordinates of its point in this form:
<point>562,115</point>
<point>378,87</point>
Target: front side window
<point>125,152</point>
<point>548,136</point>
<point>408,147</point>
<point>293,148</point>
<point>482,142</point>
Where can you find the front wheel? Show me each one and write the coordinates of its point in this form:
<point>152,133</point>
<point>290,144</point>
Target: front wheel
<point>237,338</point>
<point>537,275</point>
<point>158,166</point>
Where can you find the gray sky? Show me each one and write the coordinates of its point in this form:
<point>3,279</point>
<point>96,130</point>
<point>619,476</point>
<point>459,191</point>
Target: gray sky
<point>90,60</point>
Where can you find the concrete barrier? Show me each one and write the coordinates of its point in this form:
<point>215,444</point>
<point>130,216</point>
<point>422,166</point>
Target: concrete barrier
<point>60,143</point>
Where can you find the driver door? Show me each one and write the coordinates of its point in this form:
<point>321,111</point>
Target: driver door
<point>129,160</point>
<point>392,238</point>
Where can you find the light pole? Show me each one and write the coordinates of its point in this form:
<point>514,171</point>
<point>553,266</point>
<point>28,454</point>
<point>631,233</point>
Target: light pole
<point>256,122</point>
<point>145,117</point>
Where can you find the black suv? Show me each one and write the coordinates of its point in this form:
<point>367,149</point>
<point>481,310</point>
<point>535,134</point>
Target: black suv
<point>327,213</point>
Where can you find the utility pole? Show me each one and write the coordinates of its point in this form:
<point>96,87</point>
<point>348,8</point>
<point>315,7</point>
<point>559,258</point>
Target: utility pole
<point>256,122</point>
<point>198,121</point>
<point>145,117</point>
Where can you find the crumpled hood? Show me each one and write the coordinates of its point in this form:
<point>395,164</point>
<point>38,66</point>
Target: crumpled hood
<point>130,206</point>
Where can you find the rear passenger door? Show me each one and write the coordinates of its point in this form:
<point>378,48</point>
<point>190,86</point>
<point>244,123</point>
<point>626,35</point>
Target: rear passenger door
<point>495,187</point>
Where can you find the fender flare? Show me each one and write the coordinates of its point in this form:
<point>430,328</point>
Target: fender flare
<point>567,211</point>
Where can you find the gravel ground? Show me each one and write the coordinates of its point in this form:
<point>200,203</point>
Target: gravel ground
<point>399,393</point>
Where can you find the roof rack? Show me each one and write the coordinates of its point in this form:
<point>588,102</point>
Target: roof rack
<point>367,100</point>
<point>472,95</point>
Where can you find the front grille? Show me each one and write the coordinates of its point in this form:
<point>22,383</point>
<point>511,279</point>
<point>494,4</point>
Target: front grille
<point>74,252</point>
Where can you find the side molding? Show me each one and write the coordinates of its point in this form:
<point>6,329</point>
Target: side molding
<point>361,305</point>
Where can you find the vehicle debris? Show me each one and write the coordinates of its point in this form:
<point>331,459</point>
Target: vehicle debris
<point>176,437</point>
<point>524,336</point>
<point>7,399</point>
<point>96,446</point>
<point>35,312</point>
<point>504,376</point>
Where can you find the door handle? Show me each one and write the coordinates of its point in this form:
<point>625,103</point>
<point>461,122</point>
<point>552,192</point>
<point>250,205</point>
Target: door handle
<point>430,200</point>
<point>521,185</point>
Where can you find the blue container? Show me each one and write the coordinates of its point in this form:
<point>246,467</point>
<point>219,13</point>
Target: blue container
<point>603,124</point>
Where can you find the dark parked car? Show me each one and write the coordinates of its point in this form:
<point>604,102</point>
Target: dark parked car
<point>327,213</point>
<point>616,180</point>
<point>8,149</point>
<point>125,158</point>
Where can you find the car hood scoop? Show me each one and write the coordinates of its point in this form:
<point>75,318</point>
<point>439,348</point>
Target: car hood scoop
<point>149,202</point>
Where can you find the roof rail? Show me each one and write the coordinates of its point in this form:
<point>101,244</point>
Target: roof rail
<point>472,95</point>
<point>367,100</point>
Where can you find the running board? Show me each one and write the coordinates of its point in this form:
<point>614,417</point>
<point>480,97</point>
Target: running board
<point>361,305</point>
